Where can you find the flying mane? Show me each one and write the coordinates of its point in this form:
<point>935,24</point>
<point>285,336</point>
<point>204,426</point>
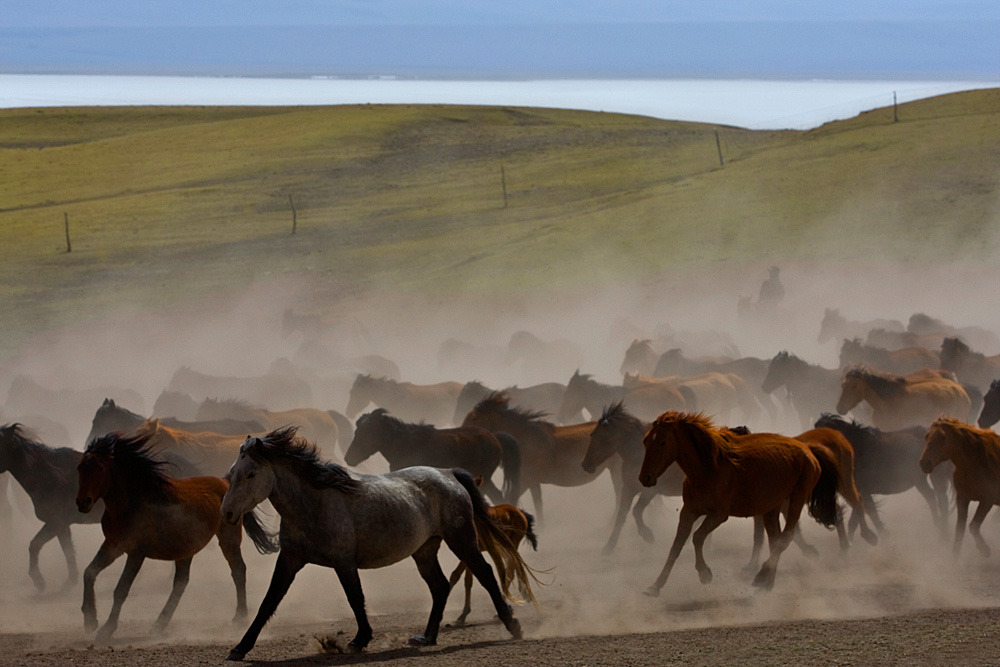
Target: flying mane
<point>982,445</point>
<point>143,472</point>
<point>709,442</point>
<point>885,385</point>
<point>283,445</point>
<point>36,454</point>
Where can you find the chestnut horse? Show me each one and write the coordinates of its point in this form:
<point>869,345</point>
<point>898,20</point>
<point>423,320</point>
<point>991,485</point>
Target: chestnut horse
<point>192,453</point>
<point>976,455</point>
<point>737,475</point>
<point>325,428</point>
<point>832,445</point>
<point>517,525</point>
<point>899,401</point>
<point>471,448</point>
<point>620,433</point>
<point>905,360</point>
<point>149,515</point>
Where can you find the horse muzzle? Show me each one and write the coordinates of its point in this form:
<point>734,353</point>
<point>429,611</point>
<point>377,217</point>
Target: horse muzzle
<point>647,480</point>
<point>927,466</point>
<point>85,504</point>
<point>230,517</point>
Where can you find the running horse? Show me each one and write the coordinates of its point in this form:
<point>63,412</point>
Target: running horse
<point>976,455</point>
<point>899,401</point>
<point>434,403</point>
<point>113,417</point>
<point>49,477</point>
<point>468,447</point>
<point>990,413</point>
<point>348,521</point>
<point>727,474</point>
<point>619,433</point>
<point>149,515</point>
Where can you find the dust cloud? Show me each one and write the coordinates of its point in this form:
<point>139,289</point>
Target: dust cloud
<point>294,326</point>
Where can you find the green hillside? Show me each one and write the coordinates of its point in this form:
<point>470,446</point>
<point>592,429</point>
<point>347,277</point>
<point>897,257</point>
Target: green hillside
<point>166,204</point>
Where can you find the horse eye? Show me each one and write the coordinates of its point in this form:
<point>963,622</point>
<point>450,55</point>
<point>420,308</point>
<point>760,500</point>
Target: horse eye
<point>251,475</point>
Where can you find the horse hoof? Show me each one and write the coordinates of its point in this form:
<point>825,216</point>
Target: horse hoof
<point>764,579</point>
<point>353,647</point>
<point>647,536</point>
<point>89,625</point>
<point>870,537</point>
<point>515,628</point>
<point>422,640</point>
<point>235,655</point>
<point>652,592</point>
<point>705,576</point>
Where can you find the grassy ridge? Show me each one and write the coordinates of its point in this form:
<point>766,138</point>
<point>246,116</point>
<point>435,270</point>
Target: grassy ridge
<point>169,203</point>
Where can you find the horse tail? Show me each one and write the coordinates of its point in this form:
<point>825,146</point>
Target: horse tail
<point>823,501</point>
<point>510,566</point>
<point>529,533</point>
<point>345,429</point>
<point>265,541</point>
<point>511,462</point>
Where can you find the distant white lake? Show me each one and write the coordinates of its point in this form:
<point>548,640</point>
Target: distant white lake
<point>755,104</point>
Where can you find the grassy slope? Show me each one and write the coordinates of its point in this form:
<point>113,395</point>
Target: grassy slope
<point>167,203</point>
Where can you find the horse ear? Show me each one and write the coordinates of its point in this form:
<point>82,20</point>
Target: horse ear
<point>111,402</point>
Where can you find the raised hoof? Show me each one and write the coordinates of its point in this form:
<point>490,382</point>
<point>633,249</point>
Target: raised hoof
<point>515,628</point>
<point>89,625</point>
<point>652,592</point>
<point>705,575</point>
<point>764,579</point>
<point>421,640</point>
<point>647,535</point>
<point>158,628</point>
<point>235,655</point>
<point>104,635</point>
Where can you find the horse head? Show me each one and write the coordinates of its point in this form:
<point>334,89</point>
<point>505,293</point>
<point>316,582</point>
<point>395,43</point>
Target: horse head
<point>939,443</point>
<point>991,406</point>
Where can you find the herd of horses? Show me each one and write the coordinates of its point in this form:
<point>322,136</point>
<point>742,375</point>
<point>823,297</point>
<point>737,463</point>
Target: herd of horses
<point>701,429</point>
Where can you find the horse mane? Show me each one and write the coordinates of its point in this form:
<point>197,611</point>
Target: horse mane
<point>982,445</point>
<point>143,472</point>
<point>886,385</point>
<point>37,454</point>
<point>284,445</point>
<point>857,430</point>
<point>617,414</point>
<point>710,442</point>
<point>500,401</point>
<point>398,427</point>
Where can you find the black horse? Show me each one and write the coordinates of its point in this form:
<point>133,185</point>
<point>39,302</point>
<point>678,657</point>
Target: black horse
<point>49,477</point>
<point>888,462</point>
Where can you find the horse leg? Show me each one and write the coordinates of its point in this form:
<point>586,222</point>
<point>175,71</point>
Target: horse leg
<point>536,500</point>
<point>182,573</point>
<point>132,565</point>
<point>977,521</point>
<point>624,504</point>
<point>466,547</point>
<point>779,539</point>
<point>351,582</point>
<point>230,538</point>
<point>962,512</point>
<point>710,523</point>
<point>66,542</point>
<point>105,556</point>
<point>285,569</point>
<point>491,491</point>
<point>871,509</point>
<point>455,576</point>
<point>684,525</point>
<point>645,498</point>
<point>46,533</point>
<point>430,569</point>
<point>758,542</point>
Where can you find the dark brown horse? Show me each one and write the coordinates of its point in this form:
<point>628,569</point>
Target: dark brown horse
<point>736,475</point>
<point>888,463</point>
<point>111,417</point>
<point>976,455</point>
<point>470,447</point>
<point>990,413</point>
<point>968,366</point>
<point>812,388</point>
<point>149,515</point>
<point>618,433</point>
<point>546,397</point>
<point>48,476</point>
<point>550,454</point>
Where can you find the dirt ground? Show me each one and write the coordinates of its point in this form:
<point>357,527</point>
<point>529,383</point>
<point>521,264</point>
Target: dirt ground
<point>904,601</point>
